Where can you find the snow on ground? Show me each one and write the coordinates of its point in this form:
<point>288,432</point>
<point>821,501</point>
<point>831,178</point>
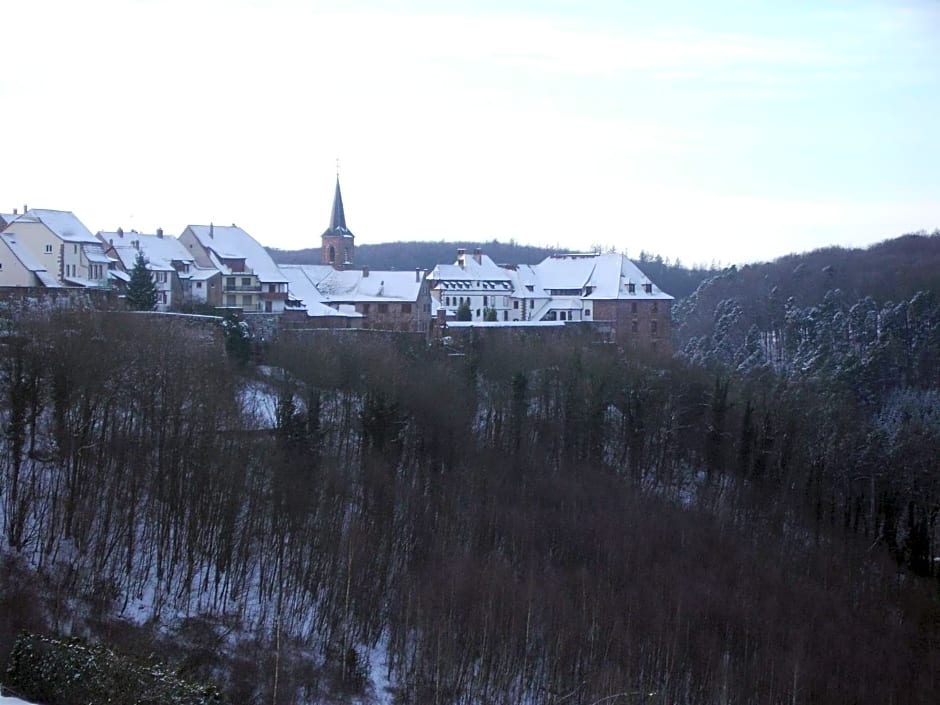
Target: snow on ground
<point>12,701</point>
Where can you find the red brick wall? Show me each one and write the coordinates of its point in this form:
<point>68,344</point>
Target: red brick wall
<point>649,327</point>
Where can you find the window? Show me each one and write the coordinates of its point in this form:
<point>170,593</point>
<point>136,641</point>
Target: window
<point>447,301</point>
<point>230,300</point>
<point>198,285</point>
<point>332,255</point>
<point>587,312</point>
<point>161,297</point>
<point>74,249</point>
<point>267,307</point>
<point>246,281</point>
<point>365,308</point>
<point>230,283</point>
<point>633,307</point>
<point>563,316</point>
<point>161,278</point>
<point>485,302</point>
<point>505,315</point>
<point>406,308</point>
<point>48,249</point>
<point>635,327</point>
<point>515,305</point>
<point>655,306</point>
<point>648,288</point>
<point>383,308</point>
<point>246,301</point>
<point>631,288</point>
<point>654,327</point>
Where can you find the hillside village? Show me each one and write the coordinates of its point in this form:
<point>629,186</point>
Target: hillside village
<point>223,269</point>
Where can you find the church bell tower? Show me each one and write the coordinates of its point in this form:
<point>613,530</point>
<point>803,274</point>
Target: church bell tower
<point>338,243</point>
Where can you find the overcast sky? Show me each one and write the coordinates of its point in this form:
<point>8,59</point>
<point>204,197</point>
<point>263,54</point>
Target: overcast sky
<point>709,131</point>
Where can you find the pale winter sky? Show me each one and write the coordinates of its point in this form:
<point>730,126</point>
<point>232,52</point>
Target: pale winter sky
<point>710,131</point>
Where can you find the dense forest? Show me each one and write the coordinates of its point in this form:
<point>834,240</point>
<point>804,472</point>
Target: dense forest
<point>364,518</point>
<point>671,277</point>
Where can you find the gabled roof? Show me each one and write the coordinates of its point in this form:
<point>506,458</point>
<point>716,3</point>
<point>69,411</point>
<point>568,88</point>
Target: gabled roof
<point>338,216</point>
<point>484,270</point>
<point>608,276</point>
<point>95,253</point>
<point>302,285</point>
<point>29,262</point>
<point>64,224</point>
<point>354,286</point>
<point>231,242</point>
<point>159,251</point>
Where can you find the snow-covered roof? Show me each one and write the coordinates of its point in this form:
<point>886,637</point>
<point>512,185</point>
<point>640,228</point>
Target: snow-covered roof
<point>302,281</point>
<point>525,282</point>
<point>159,251</point>
<point>231,242</point>
<point>95,253</point>
<point>484,270</point>
<point>118,274</point>
<point>29,262</point>
<point>353,285</point>
<point>63,223</point>
<point>202,274</point>
<point>608,276</point>
<point>81,281</point>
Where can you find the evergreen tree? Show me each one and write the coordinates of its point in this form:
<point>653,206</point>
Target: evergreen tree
<point>141,291</point>
<point>463,311</point>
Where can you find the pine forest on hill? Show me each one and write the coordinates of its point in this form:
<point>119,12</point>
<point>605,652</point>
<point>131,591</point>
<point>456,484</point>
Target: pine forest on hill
<point>361,518</point>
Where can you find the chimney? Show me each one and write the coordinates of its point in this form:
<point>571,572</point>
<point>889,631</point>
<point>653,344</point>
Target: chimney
<point>461,257</point>
<point>120,232</point>
<point>136,244</point>
<point>14,211</point>
<point>365,272</point>
<point>160,232</point>
<point>478,255</point>
<point>111,242</point>
<point>211,230</point>
<point>417,274</point>
<point>25,209</point>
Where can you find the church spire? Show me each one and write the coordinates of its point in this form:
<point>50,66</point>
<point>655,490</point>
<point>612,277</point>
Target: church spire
<point>338,218</point>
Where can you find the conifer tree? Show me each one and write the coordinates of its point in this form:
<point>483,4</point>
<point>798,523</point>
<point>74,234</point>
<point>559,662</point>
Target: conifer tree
<point>141,291</point>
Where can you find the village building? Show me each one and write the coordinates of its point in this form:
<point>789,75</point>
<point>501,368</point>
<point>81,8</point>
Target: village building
<point>18,266</point>
<point>567,288</point>
<point>475,282</point>
<point>170,263</point>
<point>250,280</point>
<point>382,300</point>
<point>61,244</point>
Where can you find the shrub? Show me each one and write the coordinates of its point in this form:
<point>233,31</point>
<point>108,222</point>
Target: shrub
<point>72,672</point>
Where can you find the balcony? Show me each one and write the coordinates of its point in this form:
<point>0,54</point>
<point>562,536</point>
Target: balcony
<point>250,289</point>
<point>274,296</point>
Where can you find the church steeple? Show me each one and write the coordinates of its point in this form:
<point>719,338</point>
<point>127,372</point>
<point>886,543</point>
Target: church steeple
<point>338,219</point>
<point>339,246</point>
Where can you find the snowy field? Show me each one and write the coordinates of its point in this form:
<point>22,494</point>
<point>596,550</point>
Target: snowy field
<point>12,701</point>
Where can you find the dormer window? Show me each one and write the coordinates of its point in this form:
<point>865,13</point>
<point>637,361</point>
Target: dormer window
<point>631,288</point>
<point>648,288</point>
